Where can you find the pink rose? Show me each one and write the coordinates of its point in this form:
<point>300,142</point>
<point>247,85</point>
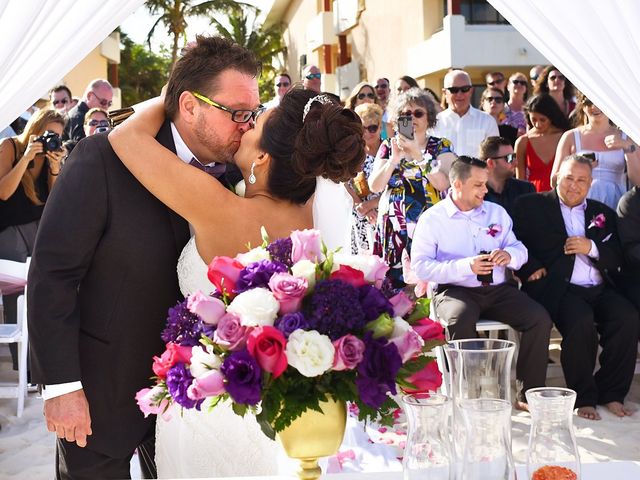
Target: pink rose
<point>172,355</point>
<point>224,273</point>
<point>429,329</point>
<point>306,245</point>
<point>349,275</point>
<point>408,343</point>
<point>288,290</point>
<point>349,352</point>
<point>208,385</point>
<point>428,379</point>
<point>230,333</point>
<point>402,304</point>
<point>209,309</point>
<point>377,271</point>
<point>267,345</point>
<point>149,404</point>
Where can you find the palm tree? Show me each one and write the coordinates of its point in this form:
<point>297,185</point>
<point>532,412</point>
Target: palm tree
<point>265,43</point>
<point>174,15</point>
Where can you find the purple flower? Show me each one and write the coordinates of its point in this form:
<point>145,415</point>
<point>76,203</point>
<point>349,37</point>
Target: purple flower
<point>179,379</point>
<point>258,274</point>
<point>280,251</point>
<point>335,309</point>
<point>374,303</point>
<point>494,229</point>
<point>185,328</point>
<point>290,322</point>
<point>377,371</point>
<point>598,221</point>
<point>243,376</point>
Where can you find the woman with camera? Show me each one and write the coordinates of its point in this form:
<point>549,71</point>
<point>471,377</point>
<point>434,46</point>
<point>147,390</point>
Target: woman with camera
<point>29,166</point>
<point>412,169</point>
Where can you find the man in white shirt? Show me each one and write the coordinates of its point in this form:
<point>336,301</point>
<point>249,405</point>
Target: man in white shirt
<point>466,247</point>
<point>282,84</point>
<point>464,125</point>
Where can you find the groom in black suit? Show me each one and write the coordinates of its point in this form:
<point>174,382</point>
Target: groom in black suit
<point>574,253</point>
<point>103,273</point>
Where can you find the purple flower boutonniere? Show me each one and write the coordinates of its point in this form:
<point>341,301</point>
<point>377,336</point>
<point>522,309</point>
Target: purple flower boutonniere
<point>494,229</point>
<point>598,221</point>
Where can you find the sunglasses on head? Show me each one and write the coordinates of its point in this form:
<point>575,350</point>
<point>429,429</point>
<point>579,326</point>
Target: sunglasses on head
<point>362,96</point>
<point>494,99</point>
<point>493,83</point>
<point>520,82</point>
<point>556,77</point>
<point>509,157</point>
<point>282,84</point>
<point>64,101</point>
<point>371,128</point>
<point>313,75</point>
<point>455,90</point>
<point>414,113</point>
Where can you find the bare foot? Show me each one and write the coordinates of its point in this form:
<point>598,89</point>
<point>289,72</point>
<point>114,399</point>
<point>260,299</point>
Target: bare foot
<point>619,410</point>
<point>524,406</point>
<point>589,413</point>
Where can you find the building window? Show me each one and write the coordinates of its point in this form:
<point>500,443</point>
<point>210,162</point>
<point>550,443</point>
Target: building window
<point>479,12</point>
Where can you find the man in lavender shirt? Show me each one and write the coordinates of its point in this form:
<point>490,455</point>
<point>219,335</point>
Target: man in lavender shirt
<point>466,246</point>
<point>574,255</point>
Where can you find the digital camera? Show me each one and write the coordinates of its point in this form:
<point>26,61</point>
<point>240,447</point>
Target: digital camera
<point>51,141</point>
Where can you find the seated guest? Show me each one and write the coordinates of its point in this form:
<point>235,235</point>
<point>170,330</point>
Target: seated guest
<point>573,252</point>
<point>502,188</point>
<point>629,231</point>
<point>465,246</point>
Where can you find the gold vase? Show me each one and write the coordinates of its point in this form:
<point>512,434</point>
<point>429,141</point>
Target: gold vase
<point>314,435</point>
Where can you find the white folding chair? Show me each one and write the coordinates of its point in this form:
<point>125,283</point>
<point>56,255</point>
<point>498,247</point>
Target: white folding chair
<point>13,278</point>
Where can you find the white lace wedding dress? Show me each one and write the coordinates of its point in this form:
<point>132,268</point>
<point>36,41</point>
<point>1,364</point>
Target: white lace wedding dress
<point>219,443</point>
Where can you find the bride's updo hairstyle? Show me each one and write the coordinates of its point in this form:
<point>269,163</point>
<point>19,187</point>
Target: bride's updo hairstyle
<point>324,140</point>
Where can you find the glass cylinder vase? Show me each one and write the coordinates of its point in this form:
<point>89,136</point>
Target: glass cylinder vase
<point>553,452</point>
<point>427,453</point>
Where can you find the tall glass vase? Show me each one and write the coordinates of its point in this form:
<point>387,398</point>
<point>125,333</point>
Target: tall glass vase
<point>553,452</point>
<point>478,369</point>
<point>427,454</point>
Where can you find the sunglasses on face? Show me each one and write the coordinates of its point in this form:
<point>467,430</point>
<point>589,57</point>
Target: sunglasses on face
<point>509,157</point>
<point>237,116</point>
<point>98,123</point>
<point>371,128</point>
<point>313,75</point>
<point>474,162</point>
<point>64,101</point>
<point>414,113</point>
<point>495,82</point>
<point>455,90</point>
<point>519,82</point>
<point>553,78</point>
<point>282,84</point>
<point>104,103</point>
<point>494,99</point>
<point>362,96</point>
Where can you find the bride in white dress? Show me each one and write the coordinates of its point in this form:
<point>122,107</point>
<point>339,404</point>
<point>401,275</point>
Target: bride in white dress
<point>307,136</point>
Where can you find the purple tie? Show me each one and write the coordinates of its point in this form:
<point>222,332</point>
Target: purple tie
<point>217,170</point>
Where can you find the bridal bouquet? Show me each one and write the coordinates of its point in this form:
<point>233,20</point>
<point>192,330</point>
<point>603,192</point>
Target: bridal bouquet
<point>289,325</point>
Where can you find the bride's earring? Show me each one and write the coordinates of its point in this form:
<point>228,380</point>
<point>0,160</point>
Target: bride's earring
<point>252,177</point>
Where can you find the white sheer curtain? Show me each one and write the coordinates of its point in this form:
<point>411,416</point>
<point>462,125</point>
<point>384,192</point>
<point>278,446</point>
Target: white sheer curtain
<point>42,40</point>
<point>595,43</point>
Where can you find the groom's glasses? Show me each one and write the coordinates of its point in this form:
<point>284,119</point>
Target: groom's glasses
<point>238,116</point>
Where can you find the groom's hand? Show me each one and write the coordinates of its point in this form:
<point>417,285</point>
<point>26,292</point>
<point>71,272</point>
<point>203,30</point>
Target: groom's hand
<point>68,416</point>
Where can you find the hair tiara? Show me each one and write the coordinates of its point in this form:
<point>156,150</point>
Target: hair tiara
<point>322,98</point>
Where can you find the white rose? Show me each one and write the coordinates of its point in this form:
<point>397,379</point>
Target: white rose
<point>367,264</point>
<point>253,255</point>
<point>309,352</point>
<point>255,308</point>
<point>400,327</point>
<point>305,269</point>
<point>203,360</point>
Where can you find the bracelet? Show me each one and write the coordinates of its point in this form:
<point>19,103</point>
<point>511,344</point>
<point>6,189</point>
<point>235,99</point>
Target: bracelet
<point>54,174</point>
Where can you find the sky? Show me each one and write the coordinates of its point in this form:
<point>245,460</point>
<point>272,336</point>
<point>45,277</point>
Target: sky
<point>137,26</point>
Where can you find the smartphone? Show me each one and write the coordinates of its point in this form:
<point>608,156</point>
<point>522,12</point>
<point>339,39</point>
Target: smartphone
<point>487,277</point>
<point>405,126</point>
<point>590,155</point>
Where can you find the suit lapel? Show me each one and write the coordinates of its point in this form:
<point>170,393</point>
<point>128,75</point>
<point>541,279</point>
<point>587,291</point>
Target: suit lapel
<point>179,225</point>
<point>555,214</point>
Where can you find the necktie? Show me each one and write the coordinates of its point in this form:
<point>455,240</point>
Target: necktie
<point>217,170</point>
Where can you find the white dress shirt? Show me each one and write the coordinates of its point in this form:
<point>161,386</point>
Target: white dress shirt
<point>446,239</point>
<point>466,132</point>
<point>584,273</point>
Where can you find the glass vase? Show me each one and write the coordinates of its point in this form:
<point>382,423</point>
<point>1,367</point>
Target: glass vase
<point>427,453</point>
<point>553,452</point>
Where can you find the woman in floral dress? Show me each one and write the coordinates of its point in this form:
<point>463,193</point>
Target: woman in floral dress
<point>413,173</point>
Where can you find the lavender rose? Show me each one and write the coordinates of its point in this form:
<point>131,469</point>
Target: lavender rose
<point>243,376</point>
<point>230,333</point>
<point>349,352</point>
<point>288,290</point>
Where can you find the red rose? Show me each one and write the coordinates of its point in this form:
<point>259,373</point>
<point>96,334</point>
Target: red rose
<point>349,275</point>
<point>172,355</point>
<point>429,329</point>
<point>267,345</point>
<point>428,379</point>
<point>224,273</point>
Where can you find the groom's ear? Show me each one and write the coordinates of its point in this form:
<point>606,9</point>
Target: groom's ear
<point>187,105</point>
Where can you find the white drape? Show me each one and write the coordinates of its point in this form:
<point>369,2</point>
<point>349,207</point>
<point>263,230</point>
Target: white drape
<point>595,43</point>
<point>42,40</point>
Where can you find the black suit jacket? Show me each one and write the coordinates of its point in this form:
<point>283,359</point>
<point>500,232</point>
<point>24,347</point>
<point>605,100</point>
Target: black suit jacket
<point>538,223</point>
<point>629,230</point>
<point>513,188</point>
<point>102,278</point>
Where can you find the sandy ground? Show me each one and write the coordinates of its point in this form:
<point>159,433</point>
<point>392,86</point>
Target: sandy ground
<point>27,449</point>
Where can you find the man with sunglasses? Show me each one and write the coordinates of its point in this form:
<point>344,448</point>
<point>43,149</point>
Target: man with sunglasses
<point>496,80</point>
<point>502,188</point>
<point>61,98</point>
<point>99,94</point>
<point>461,123</point>
<point>311,78</point>
<point>282,85</point>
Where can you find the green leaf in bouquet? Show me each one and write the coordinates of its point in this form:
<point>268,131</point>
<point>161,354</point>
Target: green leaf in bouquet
<point>381,326</point>
<point>326,265</point>
<point>421,310</point>
<point>239,408</point>
<point>265,236</point>
<point>429,345</point>
<point>265,425</point>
